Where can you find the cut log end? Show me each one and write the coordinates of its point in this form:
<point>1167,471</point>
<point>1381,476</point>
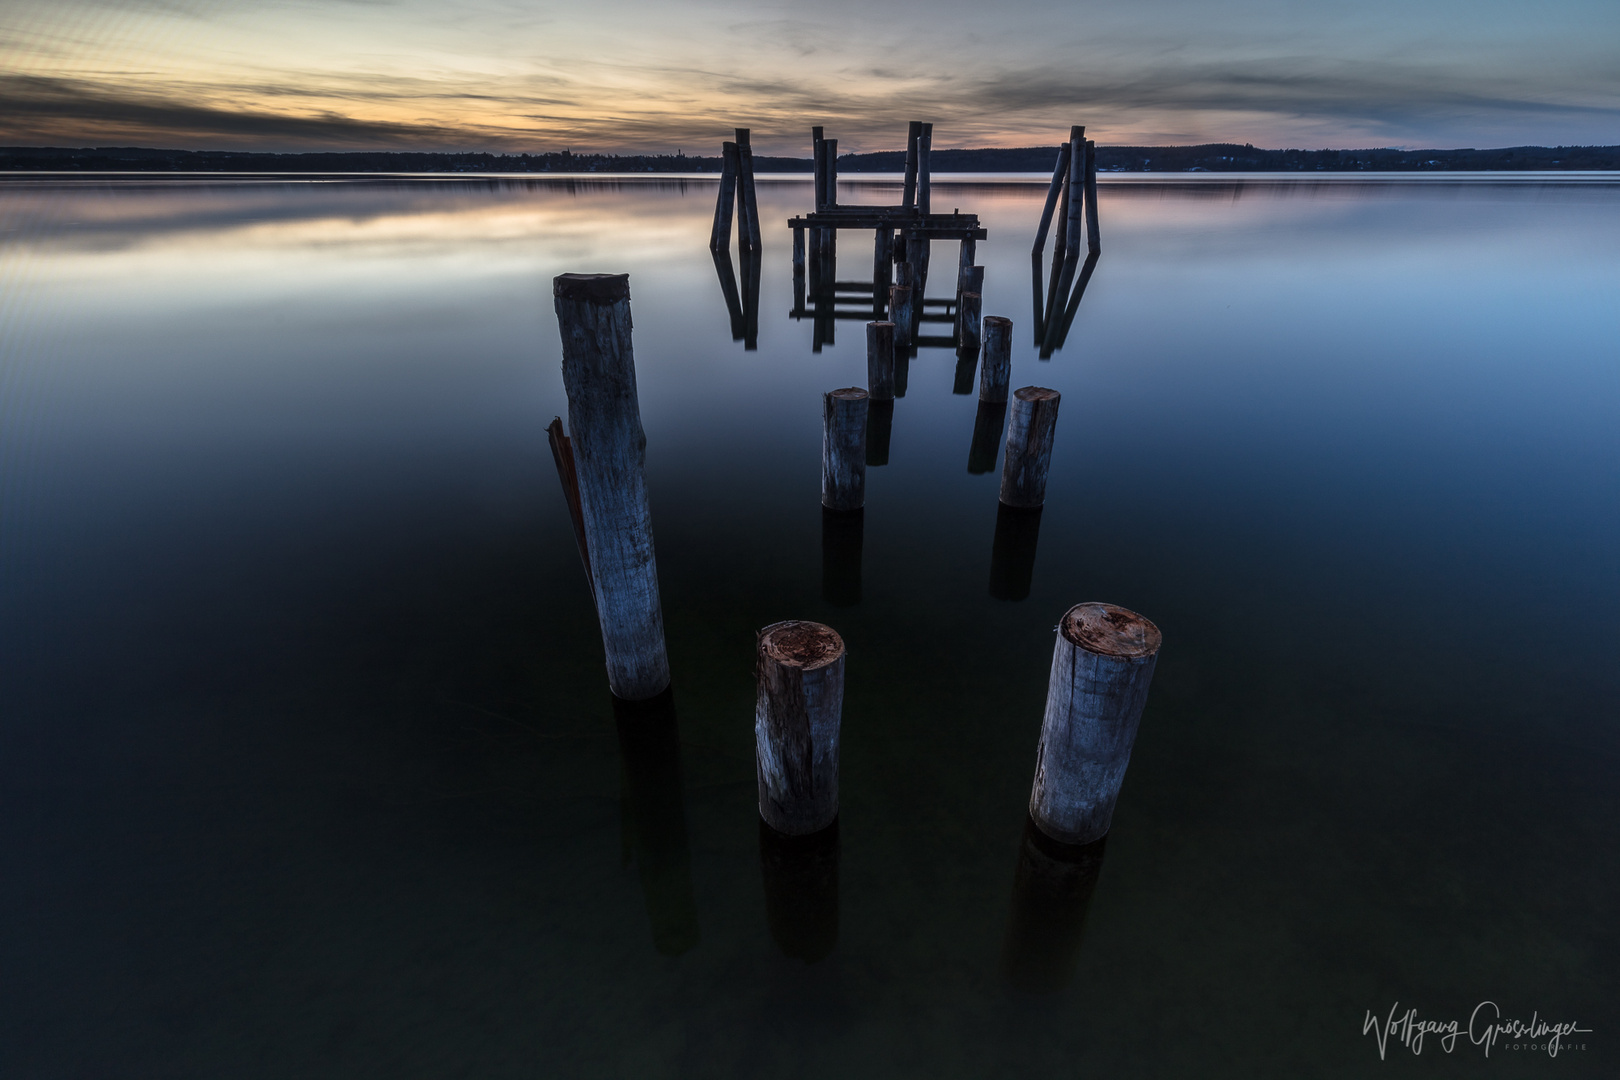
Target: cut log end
<point>805,645</point>
<point>1107,630</point>
<point>997,321</point>
<point>591,288</point>
<point>848,393</point>
<point>1036,393</point>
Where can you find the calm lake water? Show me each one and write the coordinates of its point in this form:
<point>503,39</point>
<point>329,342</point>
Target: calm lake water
<point>308,765</point>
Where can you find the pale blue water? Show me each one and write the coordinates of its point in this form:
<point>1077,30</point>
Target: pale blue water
<point>307,759</point>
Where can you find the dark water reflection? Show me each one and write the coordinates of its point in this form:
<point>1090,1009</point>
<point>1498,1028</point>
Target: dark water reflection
<point>307,762</point>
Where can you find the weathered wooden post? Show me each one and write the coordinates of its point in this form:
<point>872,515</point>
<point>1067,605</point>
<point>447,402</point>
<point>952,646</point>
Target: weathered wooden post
<point>843,449</point>
<point>1039,247</point>
<point>829,155</point>
<point>925,176</point>
<point>720,235</point>
<point>997,370</point>
<point>900,313</point>
<point>968,320</point>
<point>599,375</point>
<point>1093,240</point>
<point>909,196</point>
<point>882,269</point>
<point>1029,446</point>
<point>801,890</point>
<point>798,271</point>
<point>1060,252</point>
<point>986,436</point>
<point>880,360</point>
<point>971,280</point>
<point>1052,890</point>
<point>1102,666</point>
<point>1077,194</point>
<point>818,168</point>
<point>745,180</point>
<point>728,288</point>
<point>655,812</point>
<point>797,715</point>
<point>964,262</point>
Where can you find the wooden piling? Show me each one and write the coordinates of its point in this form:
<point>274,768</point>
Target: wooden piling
<point>1029,446</point>
<point>997,370</point>
<point>925,142</point>
<point>843,449</point>
<point>818,168</point>
<point>599,375</point>
<point>1077,194</point>
<point>880,361</point>
<point>829,155</point>
<point>745,190</point>
<point>969,280</point>
<point>909,195</point>
<point>968,320</point>
<point>1059,171</point>
<point>1093,240</point>
<point>797,715</point>
<point>1102,666</point>
<point>720,235</point>
<point>964,262</point>
<point>900,314</point>
<point>882,268</point>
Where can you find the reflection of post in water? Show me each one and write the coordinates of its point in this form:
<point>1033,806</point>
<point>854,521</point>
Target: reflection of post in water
<point>801,890</point>
<point>967,366</point>
<point>879,428</point>
<point>1052,890</point>
<point>1012,556</point>
<point>728,287</point>
<point>1074,305</point>
<point>986,436</point>
<point>841,538</point>
<point>751,261</point>
<point>649,750</point>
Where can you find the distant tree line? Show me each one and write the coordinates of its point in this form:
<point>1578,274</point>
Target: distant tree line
<point>1212,157</point>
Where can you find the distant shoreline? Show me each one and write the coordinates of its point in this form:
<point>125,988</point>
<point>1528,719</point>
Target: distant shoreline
<point>1212,157</point>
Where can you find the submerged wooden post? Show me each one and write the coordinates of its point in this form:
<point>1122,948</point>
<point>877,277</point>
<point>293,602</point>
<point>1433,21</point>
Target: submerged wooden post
<point>909,196</point>
<point>880,361</point>
<point>1029,446</point>
<point>745,180</point>
<point>925,143</point>
<point>1093,241</point>
<point>720,236</point>
<point>997,370</point>
<point>843,449</point>
<point>797,715</point>
<point>610,449</point>
<point>1102,666</point>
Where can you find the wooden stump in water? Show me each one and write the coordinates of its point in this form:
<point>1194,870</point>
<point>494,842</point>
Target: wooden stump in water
<point>797,715</point>
<point>843,449</point>
<point>1029,446</point>
<point>997,370</point>
<point>599,375</point>
<point>900,313</point>
<point>880,361</point>
<point>1102,666</point>
<point>968,322</point>
<point>720,235</point>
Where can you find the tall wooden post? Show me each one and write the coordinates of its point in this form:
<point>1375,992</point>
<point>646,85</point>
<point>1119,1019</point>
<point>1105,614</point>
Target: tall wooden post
<point>1052,194</point>
<point>909,193</point>
<point>882,269</point>
<point>599,375</point>
<point>964,261</point>
<point>798,271</point>
<point>900,314</point>
<point>720,236</point>
<point>1093,240</point>
<point>880,361</point>
<point>1029,446</point>
<point>798,712</point>
<point>748,204</point>
<point>818,168</point>
<point>925,142</point>
<point>843,449</point>
<point>968,321</point>
<point>829,154</point>
<point>1102,666</point>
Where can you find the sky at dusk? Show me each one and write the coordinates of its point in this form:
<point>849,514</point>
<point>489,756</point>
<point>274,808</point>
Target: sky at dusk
<point>613,75</point>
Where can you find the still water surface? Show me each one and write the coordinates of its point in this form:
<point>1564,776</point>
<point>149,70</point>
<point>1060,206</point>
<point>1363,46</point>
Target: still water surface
<point>308,765</point>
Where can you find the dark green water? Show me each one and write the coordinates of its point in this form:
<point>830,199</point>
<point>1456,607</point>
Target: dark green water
<point>308,765</point>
